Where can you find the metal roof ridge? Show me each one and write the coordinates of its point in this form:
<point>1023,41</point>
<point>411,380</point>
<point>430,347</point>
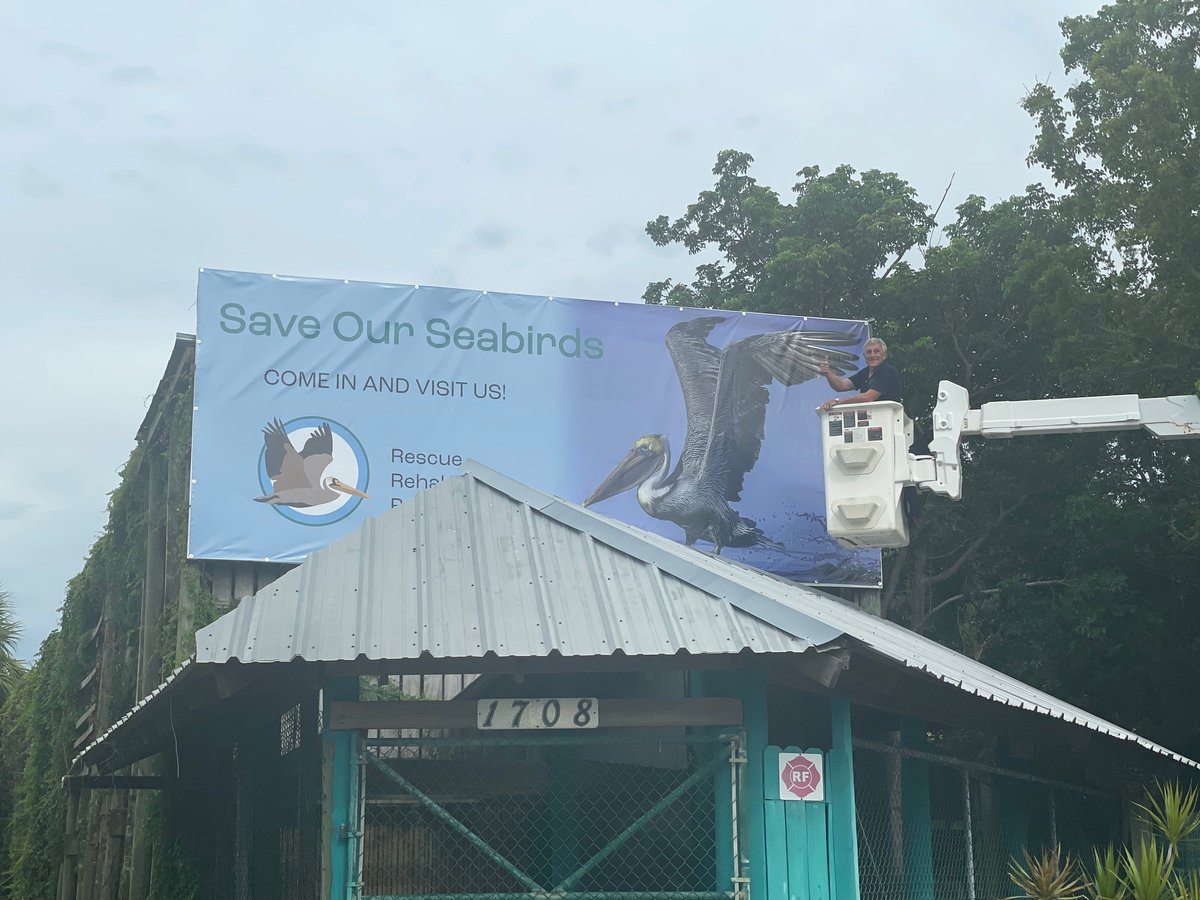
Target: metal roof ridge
<point>715,576</point>
<point>685,563</point>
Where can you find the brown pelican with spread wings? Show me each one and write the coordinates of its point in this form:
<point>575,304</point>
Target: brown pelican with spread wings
<point>298,478</point>
<point>725,395</point>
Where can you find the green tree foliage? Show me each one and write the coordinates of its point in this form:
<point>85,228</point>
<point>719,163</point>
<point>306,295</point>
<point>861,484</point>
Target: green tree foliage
<point>11,672</point>
<point>1123,141</point>
<point>11,668</point>
<point>1070,561</point>
<point>32,749</point>
<point>826,246</point>
<point>37,724</point>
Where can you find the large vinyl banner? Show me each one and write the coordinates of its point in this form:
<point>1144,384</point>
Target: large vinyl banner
<point>319,403</point>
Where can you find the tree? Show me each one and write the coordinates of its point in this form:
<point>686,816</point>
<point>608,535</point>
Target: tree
<point>1124,142</point>
<point>1069,561</point>
<point>822,251</point>
<point>11,672</point>
<point>11,668</point>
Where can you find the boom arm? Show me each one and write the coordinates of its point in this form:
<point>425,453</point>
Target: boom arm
<point>868,464</point>
<point>1167,418</point>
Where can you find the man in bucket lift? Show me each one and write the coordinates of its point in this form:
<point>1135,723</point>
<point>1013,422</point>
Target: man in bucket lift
<point>880,380</point>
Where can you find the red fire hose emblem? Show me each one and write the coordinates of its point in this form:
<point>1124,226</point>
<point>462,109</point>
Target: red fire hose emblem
<point>801,777</point>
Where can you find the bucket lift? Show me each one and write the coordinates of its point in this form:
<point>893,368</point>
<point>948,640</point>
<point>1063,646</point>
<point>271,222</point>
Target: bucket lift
<point>865,448</point>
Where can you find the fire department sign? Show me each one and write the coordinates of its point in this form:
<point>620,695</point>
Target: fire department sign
<point>802,776</point>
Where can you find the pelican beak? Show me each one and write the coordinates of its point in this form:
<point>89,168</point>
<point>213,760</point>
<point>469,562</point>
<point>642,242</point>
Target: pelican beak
<point>638,464</point>
<point>346,489</point>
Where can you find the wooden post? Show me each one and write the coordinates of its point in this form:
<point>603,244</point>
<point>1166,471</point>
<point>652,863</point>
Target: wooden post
<point>917,815</point>
<point>339,781</point>
<point>750,686</point>
<point>1013,797</point>
<point>149,652</point>
<point>698,683</point>
<point>69,871</point>
<point>263,746</point>
<point>843,815</point>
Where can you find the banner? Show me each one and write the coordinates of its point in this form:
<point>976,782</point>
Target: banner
<point>319,403</point>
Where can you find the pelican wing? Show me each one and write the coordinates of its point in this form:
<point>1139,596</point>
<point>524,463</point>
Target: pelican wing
<point>317,454</point>
<point>285,467</point>
<point>748,367</point>
<point>698,366</point>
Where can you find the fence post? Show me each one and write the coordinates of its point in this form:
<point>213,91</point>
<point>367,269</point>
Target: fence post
<point>843,815</point>
<point>1014,798</point>
<point>724,786</point>
<point>750,686</point>
<point>339,792</point>
<point>968,834</point>
<point>916,814</point>
<point>1053,810</point>
<point>562,812</point>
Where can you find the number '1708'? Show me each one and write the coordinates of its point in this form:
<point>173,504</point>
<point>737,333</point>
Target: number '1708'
<point>537,713</point>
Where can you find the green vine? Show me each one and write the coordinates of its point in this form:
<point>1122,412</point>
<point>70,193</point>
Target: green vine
<point>37,723</point>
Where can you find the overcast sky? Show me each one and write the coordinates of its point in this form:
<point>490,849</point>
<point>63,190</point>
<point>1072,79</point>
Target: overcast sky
<point>513,146</point>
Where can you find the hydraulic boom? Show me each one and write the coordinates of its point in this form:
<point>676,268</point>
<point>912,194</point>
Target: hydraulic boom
<point>868,463</point>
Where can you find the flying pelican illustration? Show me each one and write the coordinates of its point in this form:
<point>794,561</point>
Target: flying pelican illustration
<point>725,397</point>
<point>298,478</point>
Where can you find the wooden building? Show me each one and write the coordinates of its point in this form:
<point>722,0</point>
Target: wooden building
<point>702,730</point>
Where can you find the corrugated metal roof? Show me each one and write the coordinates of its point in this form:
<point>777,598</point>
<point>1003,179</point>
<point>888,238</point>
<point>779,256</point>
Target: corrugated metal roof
<point>483,564</point>
<point>466,569</point>
<point>143,707</point>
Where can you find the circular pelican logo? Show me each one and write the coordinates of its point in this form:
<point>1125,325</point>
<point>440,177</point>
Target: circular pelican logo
<point>312,470</point>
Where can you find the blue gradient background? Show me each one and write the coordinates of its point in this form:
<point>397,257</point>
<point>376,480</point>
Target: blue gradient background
<point>563,425</point>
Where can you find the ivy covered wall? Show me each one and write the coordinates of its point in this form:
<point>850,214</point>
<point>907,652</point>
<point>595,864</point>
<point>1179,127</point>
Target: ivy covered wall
<point>128,618</point>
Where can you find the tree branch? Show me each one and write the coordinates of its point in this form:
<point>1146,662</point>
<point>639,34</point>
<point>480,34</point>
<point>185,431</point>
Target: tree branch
<point>952,570</point>
<point>895,262</point>
<point>957,597</point>
<point>889,593</point>
<point>967,368</point>
<point>945,193</point>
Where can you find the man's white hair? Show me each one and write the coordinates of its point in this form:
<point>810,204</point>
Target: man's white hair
<point>876,342</point>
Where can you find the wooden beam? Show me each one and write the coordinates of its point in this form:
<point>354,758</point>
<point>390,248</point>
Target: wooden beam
<point>233,680</point>
<point>539,665</point>
<point>120,782</point>
<point>614,713</point>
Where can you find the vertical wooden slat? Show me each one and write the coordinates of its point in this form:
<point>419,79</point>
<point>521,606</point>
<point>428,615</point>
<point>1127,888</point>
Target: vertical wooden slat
<point>221,573</point>
<point>817,842</point>
<point>243,581</point>
<point>411,685</point>
<point>774,822</point>
<point>434,687</point>
<point>153,599</point>
<point>798,860</point>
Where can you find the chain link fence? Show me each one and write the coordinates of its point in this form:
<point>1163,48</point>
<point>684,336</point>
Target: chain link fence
<point>591,818</point>
<point>270,846</point>
<point>945,829</point>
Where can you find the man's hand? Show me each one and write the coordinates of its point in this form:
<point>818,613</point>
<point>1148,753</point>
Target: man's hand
<point>830,404</point>
<point>825,366</point>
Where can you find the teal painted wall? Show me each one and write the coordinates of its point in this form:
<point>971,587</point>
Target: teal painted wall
<point>797,837</point>
<point>791,850</point>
